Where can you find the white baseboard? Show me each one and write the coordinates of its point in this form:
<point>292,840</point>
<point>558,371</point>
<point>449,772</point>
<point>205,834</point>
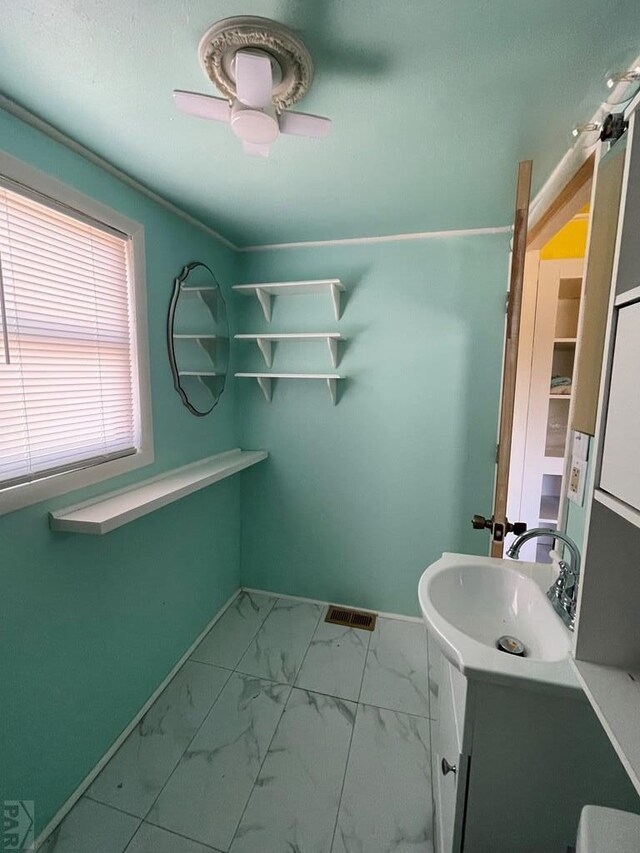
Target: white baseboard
<point>82,787</point>
<point>382,613</point>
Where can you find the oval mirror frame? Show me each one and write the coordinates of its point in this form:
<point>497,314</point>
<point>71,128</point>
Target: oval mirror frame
<point>212,300</point>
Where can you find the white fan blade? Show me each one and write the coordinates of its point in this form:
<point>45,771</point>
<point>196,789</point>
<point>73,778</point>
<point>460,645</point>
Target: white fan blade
<point>302,124</point>
<point>202,106</point>
<point>254,83</point>
<point>256,149</point>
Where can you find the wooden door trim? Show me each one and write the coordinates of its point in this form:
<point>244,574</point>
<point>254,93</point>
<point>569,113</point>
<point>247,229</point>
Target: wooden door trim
<point>516,282</point>
<point>564,206</point>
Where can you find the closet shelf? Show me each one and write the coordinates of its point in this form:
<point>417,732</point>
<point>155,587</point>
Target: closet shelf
<point>265,342</point>
<point>266,291</point>
<point>549,507</point>
<point>553,465</point>
<point>265,379</point>
<point>105,513</point>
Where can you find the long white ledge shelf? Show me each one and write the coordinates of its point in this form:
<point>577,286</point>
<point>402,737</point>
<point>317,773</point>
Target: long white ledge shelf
<point>614,694</point>
<point>107,512</point>
<point>265,292</point>
<point>265,379</point>
<point>265,342</point>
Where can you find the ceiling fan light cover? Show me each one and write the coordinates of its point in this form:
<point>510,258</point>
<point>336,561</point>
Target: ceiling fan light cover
<point>259,127</point>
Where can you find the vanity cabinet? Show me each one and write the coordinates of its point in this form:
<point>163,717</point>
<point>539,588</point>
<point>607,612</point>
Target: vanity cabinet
<point>526,760</point>
<point>448,706</point>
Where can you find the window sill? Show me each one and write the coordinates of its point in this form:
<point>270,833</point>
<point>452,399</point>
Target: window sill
<point>19,497</point>
<point>107,512</point>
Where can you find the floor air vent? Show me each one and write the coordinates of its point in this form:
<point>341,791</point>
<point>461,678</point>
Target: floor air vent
<point>351,618</point>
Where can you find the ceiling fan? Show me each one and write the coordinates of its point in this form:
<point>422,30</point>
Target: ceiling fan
<point>262,69</point>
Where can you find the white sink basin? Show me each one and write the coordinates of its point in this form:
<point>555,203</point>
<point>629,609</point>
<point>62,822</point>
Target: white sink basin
<point>469,602</point>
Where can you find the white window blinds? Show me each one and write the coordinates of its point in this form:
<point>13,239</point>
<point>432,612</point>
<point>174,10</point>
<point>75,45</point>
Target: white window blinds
<point>67,360</point>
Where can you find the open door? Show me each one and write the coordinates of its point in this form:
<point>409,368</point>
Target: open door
<point>498,523</point>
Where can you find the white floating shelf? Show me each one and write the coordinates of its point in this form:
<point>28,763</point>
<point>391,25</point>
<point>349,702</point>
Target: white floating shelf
<point>265,342</point>
<point>205,342</point>
<point>265,292</point>
<point>265,379</point>
<point>203,376</point>
<point>107,512</point>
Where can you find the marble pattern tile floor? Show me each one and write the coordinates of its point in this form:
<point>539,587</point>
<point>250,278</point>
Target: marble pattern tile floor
<point>281,734</point>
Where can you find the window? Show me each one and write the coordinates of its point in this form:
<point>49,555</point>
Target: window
<point>71,400</point>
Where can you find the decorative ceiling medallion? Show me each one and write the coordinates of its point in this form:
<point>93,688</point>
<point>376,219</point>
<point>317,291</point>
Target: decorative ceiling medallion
<point>294,68</point>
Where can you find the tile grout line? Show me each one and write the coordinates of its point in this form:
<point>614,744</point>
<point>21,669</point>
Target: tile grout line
<point>170,832</point>
<point>175,766</point>
<point>253,636</point>
<point>275,731</point>
<point>364,668</point>
<point>344,775</point>
<point>266,753</point>
<point>304,657</point>
<point>346,764</point>
<point>94,799</point>
<point>206,717</point>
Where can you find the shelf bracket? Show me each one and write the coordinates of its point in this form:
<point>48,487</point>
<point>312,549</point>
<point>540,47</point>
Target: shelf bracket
<point>332,343</point>
<point>265,385</point>
<point>211,383</point>
<point>208,346</point>
<point>335,298</point>
<point>332,385</point>
<point>266,348</point>
<point>209,299</point>
<point>264,299</point>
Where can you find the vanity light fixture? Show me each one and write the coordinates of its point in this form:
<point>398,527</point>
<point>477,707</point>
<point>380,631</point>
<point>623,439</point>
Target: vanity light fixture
<point>622,85</point>
<point>587,127</point>
<point>586,135</point>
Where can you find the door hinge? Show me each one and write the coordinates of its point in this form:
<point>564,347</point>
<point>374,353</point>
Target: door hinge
<point>497,452</point>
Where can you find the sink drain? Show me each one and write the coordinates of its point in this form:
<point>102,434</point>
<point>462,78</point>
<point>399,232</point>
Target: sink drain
<point>511,645</point>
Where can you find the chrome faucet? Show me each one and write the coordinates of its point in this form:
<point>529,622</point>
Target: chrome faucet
<point>563,593</point>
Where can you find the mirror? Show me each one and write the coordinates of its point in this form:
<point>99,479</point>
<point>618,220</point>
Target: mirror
<point>198,338</point>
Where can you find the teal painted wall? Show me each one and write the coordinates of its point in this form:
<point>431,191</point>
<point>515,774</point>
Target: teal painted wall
<point>356,500</point>
<point>89,626</point>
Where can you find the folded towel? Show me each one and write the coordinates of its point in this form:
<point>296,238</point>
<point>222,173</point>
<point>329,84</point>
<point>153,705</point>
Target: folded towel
<point>557,381</point>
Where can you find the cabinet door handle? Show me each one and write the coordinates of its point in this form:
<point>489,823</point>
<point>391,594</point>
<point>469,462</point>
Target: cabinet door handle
<point>447,768</point>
